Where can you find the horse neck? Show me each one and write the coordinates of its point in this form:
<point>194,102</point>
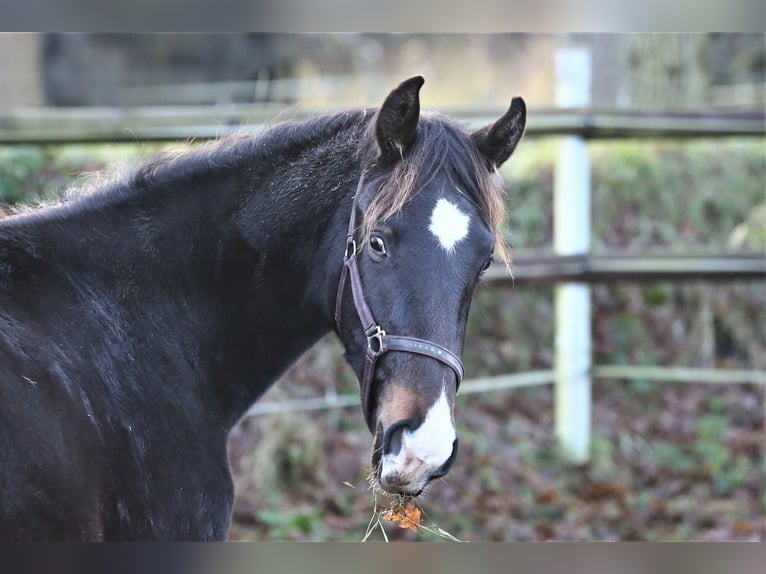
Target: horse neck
<point>294,235</point>
<point>263,263</point>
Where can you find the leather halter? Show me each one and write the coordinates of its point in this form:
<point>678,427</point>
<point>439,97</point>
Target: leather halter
<point>378,341</point>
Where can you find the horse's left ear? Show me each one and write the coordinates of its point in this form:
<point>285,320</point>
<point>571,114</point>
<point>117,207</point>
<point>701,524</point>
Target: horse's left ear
<point>496,142</point>
<point>396,124</point>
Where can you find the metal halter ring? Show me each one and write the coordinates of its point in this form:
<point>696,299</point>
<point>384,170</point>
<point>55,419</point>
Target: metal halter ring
<point>350,248</point>
<point>375,342</point>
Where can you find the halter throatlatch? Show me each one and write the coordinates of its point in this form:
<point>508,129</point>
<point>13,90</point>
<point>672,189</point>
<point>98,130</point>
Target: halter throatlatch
<point>378,341</point>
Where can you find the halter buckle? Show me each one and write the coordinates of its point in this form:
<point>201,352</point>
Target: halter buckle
<point>376,342</point>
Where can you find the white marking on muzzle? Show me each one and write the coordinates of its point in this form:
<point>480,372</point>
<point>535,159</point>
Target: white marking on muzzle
<point>423,450</point>
<point>448,224</point>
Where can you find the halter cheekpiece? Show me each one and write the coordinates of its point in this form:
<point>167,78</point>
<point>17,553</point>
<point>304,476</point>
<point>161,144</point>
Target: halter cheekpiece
<point>378,341</point>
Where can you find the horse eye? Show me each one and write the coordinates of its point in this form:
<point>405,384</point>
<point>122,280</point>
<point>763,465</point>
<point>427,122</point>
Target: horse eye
<point>487,264</point>
<point>378,245</point>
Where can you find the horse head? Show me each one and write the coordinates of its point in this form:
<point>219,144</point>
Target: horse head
<point>423,228</point>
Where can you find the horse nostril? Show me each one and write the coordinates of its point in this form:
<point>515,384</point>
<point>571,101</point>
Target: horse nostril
<point>444,469</point>
<point>392,438</point>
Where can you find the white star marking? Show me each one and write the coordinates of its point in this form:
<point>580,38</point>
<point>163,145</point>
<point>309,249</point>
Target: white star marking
<point>448,224</point>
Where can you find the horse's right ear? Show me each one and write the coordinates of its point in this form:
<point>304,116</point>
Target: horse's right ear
<point>497,141</point>
<point>396,123</point>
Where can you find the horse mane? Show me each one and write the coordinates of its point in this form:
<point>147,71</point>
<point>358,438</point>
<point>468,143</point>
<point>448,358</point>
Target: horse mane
<point>440,145</point>
<point>277,143</point>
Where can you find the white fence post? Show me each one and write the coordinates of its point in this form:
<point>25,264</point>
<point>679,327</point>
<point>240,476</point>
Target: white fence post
<point>571,232</point>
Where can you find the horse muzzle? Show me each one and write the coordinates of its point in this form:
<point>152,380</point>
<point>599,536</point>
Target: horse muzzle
<point>405,460</point>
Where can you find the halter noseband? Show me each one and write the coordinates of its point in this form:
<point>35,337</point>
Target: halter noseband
<point>378,341</point>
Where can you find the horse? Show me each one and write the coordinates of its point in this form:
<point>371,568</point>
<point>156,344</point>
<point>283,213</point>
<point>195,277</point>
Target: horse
<point>140,320</point>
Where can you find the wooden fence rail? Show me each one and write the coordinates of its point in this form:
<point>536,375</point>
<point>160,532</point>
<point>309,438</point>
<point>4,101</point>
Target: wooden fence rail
<point>159,123</point>
<point>535,268</point>
<point>527,379</point>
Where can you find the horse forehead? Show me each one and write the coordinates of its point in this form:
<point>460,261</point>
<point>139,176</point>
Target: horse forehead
<point>448,224</point>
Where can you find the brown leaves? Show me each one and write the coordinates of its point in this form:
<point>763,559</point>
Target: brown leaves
<point>405,513</point>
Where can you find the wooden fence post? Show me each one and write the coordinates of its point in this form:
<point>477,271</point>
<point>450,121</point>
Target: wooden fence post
<point>571,232</point>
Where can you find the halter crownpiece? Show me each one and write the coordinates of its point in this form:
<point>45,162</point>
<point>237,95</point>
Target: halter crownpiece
<point>378,341</point>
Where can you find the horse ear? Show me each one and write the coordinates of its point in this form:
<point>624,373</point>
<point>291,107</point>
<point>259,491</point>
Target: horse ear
<point>396,124</point>
<point>496,142</point>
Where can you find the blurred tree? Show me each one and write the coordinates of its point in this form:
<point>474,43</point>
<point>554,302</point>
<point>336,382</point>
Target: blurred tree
<point>672,71</point>
<point>649,71</point>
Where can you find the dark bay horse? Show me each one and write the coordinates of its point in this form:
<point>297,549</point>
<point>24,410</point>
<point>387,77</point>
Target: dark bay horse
<point>139,321</point>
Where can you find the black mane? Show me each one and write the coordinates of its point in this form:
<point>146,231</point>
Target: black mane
<point>255,153</point>
<point>275,146</point>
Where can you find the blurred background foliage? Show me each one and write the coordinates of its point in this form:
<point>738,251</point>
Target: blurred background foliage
<point>669,461</point>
